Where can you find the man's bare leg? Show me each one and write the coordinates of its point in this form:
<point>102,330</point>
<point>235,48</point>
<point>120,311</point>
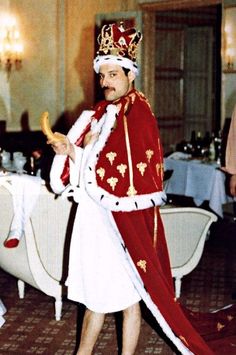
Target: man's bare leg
<point>92,326</point>
<point>131,329</point>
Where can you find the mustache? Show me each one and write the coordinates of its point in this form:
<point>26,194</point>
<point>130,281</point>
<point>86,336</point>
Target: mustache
<point>107,88</point>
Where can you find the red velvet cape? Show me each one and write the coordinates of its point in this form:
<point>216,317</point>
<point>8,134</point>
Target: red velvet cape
<point>134,145</point>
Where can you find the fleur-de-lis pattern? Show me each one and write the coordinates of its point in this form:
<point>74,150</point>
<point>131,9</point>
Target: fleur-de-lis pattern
<point>220,326</point>
<point>159,169</point>
<point>122,169</point>
<point>130,168</point>
<point>142,264</point>
<point>183,339</point>
<point>141,167</point>
<point>112,181</point>
<point>101,173</point>
<point>111,157</point>
<point>149,154</point>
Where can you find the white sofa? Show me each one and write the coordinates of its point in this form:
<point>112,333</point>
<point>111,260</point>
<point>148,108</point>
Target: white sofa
<point>41,256</point>
<point>2,312</point>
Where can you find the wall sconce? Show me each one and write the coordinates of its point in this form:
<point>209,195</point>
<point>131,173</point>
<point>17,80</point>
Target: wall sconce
<point>229,58</point>
<point>229,39</point>
<point>11,47</point>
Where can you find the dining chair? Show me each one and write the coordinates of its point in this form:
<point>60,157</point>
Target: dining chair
<point>186,230</point>
<point>167,176</point>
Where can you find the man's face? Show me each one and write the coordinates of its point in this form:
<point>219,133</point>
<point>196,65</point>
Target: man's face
<point>114,82</point>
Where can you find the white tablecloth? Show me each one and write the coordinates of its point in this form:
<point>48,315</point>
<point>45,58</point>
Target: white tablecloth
<point>201,181</point>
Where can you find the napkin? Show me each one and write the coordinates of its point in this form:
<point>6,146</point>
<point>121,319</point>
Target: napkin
<point>25,191</point>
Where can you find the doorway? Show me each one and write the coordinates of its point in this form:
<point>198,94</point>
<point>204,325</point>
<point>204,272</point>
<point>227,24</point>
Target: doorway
<point>187,73</point>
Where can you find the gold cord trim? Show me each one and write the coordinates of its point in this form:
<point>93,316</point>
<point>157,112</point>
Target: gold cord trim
<point>155,228</point>
<point>131,190</point>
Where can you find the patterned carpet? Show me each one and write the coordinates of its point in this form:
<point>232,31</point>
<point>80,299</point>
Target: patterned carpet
<point>30,327</point>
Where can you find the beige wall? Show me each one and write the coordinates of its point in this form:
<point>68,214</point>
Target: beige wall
<point>80,44</point>
<point>35,87</point>
<point>5,108</point>
<point>57,73</point>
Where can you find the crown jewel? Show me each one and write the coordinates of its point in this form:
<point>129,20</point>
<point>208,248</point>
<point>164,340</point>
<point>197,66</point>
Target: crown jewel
<point>115,40</point>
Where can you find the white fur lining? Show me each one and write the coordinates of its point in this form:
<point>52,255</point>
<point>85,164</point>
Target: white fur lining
<point>55,173</point>
<point>59,160</point>
<point>104,198</point>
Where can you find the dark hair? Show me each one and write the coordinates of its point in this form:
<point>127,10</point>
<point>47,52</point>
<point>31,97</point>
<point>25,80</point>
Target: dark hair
<point>126,70</point>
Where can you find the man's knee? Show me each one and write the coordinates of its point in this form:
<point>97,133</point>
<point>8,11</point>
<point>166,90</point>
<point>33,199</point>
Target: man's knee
<point>133,310</point>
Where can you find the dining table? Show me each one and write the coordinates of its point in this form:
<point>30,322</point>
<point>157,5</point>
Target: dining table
<point>198,178</point>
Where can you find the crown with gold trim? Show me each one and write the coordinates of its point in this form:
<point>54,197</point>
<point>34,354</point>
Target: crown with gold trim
<point>118,46</point>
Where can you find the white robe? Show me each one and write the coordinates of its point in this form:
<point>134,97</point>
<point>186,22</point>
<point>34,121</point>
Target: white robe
<point>97,277</point>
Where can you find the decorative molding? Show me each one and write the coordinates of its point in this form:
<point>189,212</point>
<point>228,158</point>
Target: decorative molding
<point>229,71</point>
<point>176,4</point>
<point>229,3</point>
<point>148,57</point>
<point>61,56</point>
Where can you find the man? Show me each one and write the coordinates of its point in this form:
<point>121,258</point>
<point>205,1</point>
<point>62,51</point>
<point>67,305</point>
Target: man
<point>230,164</point>
<point>230,159</point>
<point>111,162</point>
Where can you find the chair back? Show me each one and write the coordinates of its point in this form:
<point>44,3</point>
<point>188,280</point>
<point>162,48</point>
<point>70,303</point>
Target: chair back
<point>186,230</point>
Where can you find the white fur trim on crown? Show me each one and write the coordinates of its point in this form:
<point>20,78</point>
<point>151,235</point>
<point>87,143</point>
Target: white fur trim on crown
<point>113,59</point>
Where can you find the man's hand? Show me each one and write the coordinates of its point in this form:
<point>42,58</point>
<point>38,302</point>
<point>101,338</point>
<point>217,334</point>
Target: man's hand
<point>232,185</point>
<point>63,147</point>
<point>90,138</point>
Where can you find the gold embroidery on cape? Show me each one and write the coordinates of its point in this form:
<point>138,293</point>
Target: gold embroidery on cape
<point>220,326</point>
<point>112,181</point>
<point>159,144</point>
<point>159,169</point>
<point>111,157</point>
<point>101,172</point>
<point>132,96</point>
<point>155,228</point>
<point>162,171</point>
<point>183,339</point>
<point>131,190</point>
<point>122,169</point>
<point>142,264</point>
<point>126,105</point>
<point>162,165</point>
<point>141,167</point>
<point>149,154</point>
<point>229,317</point>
